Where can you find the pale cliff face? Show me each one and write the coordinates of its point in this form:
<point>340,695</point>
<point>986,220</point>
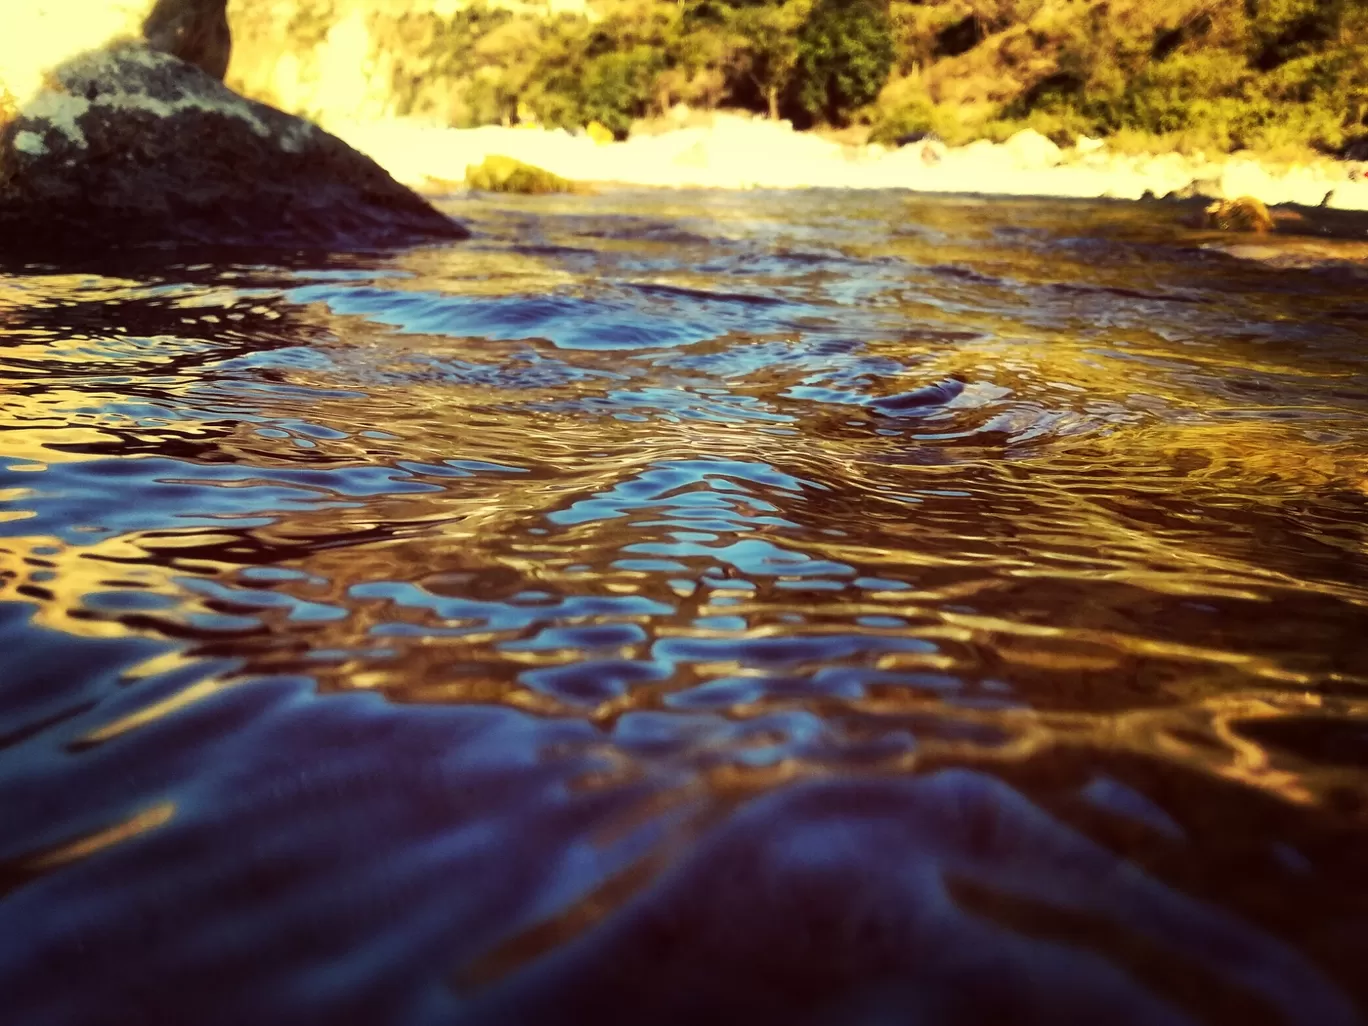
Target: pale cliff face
<point>337,60</point>
<point>40,34</point>
<point>333,59</point>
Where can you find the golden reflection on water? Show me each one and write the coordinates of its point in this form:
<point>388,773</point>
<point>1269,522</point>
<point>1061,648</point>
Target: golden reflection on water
<point>139,823</point>
<point>611,520</point>
<point>1146,441</point>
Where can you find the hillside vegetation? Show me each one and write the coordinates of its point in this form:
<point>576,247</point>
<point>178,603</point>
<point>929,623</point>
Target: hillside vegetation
<point>1215,74</point>
<point>1156,74</point>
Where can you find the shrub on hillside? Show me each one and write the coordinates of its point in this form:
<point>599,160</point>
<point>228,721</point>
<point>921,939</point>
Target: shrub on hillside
<point>845,54</point>
<point>612,88</point>
<point>1219,75</point>
<point>914,117</point>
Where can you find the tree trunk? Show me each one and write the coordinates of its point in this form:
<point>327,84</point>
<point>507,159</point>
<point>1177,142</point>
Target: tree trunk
<point>773,94</point>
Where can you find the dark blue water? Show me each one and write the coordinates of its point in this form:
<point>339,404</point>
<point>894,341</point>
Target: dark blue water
<point>677,608</point>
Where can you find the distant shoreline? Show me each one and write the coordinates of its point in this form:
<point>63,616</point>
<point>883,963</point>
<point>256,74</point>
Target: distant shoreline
<point>733,152</point>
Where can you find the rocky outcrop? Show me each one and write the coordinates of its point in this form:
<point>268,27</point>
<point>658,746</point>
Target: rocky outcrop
<point>196,31</point>
<point>128,145</point>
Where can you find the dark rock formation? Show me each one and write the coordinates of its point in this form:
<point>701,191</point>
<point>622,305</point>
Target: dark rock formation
<point>130,146</point>
<point>196,31</point>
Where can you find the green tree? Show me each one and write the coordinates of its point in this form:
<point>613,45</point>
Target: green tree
<point>845,54</point>
<point>618,87</point>
<point>606,72</point>
<point>772,44</point>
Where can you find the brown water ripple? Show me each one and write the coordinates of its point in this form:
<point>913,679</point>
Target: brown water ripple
<point>1035,676</point>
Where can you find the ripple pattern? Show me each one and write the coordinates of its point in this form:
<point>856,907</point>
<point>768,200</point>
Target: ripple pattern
<point>773,609</point>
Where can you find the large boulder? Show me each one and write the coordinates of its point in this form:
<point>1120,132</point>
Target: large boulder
<point>128,144</point>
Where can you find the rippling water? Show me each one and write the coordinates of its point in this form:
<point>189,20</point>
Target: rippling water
<point>669,608</point>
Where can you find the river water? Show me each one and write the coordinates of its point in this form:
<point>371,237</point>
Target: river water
<point>682,607</point>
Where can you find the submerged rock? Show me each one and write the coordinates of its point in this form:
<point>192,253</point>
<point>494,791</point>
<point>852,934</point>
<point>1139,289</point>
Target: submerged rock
<point>127,145</point>
<point>504,174</point>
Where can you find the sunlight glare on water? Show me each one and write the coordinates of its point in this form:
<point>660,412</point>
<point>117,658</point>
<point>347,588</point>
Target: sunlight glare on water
<point>796,608</point>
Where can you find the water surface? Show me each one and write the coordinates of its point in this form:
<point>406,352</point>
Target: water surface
<point>672,607</point>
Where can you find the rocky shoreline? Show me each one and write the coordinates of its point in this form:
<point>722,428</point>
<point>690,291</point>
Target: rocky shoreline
<point>732,152</point>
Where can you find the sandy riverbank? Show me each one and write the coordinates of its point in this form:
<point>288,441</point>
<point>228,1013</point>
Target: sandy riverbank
<point>737,153</point>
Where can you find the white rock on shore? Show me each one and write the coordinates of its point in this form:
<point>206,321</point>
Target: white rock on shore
<point>735,152</point>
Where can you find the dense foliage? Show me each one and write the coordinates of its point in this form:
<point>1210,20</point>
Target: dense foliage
<point>1198,74</point>
<point>1220,74</point>
<point>845,52</point>
<point>810,60</point>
